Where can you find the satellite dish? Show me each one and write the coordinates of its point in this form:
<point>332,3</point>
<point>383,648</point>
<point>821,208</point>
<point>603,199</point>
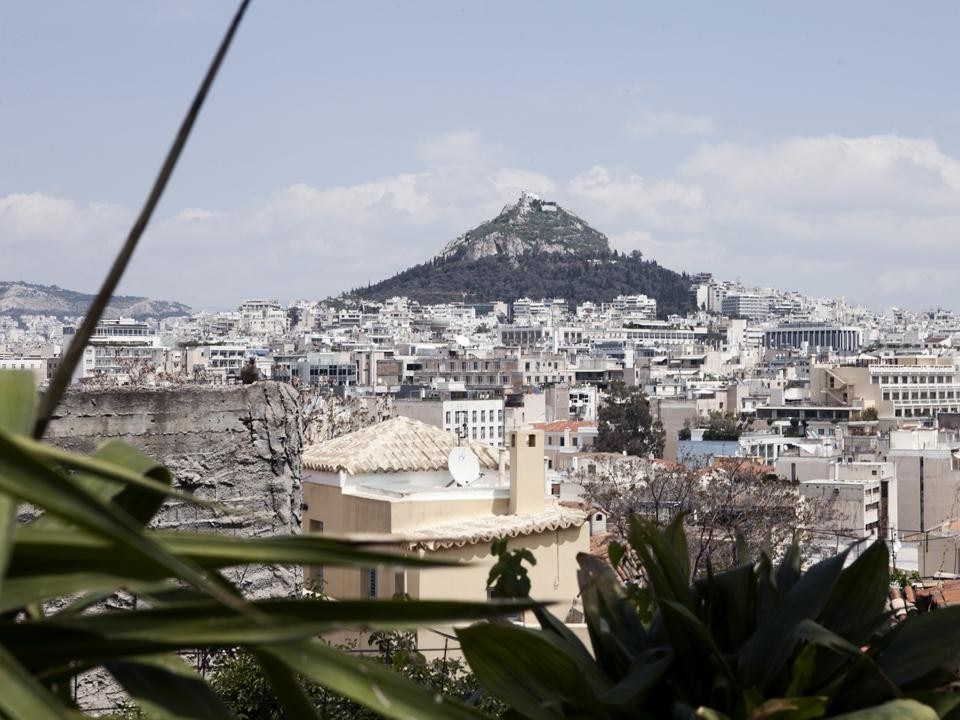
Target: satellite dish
<point>463,465</point>
<point>462,340</point>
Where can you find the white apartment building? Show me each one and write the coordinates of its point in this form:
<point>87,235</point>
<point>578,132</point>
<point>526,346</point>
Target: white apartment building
<point>262,318</point>
<point>479,419</point>
<point>635,307</point>
<point>34,363</point>
<point>121,348</point>
<point>746,305</point>
<point>898,386</point>
<point>583,403</point>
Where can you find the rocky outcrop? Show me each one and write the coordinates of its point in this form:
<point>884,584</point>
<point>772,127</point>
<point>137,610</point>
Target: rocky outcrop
<point>530,225</point>
<point>238,445</point>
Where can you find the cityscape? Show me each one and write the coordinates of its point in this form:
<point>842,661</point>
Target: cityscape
<point>507,446</point>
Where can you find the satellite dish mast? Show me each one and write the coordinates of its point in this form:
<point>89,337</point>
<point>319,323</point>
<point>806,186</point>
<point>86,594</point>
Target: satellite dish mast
<point>463,465</point>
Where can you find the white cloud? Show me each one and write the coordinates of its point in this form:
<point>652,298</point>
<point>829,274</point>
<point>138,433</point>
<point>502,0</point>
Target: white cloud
<point>612,196</point>
<point>872,218</point>
<point>651,123</point>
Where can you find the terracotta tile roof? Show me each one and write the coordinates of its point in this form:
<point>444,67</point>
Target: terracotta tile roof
<point>600,546</point>
<point>397,445</point>
<point>487,528</point>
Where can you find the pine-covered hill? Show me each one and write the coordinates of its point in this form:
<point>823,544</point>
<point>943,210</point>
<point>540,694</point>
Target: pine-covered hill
<point>574,277</point>
<point>534,248</point>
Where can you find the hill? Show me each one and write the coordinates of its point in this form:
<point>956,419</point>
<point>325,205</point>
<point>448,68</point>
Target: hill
<point>536,249</point>
<point>20,298</point>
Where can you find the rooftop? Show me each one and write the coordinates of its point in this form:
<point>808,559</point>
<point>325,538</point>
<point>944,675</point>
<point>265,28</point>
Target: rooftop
<point>487,528</point>
<point>397,445</point>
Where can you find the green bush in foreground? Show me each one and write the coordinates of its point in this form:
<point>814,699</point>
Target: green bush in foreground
<point>754,642</point>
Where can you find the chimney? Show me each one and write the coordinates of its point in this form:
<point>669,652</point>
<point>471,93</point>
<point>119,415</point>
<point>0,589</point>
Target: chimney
<point>527,472</point>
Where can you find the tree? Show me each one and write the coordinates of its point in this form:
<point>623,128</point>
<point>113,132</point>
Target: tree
<point>624,423</point>
<point>733,498</point>
<point>722,427</point>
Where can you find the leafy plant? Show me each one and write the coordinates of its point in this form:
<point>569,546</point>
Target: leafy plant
<point>92,541</point>
<point>239,680</point>
<point>757,641</point>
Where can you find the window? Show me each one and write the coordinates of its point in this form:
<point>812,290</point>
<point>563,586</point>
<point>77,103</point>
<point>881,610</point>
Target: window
<point>531,440</point>
<point>483,433</point>
<point>448,417</point>
<point>483,416</point>
<point>500,415</point>
<point>574,440</point>
<point>474,416</point>
<point>563,441</point>
<point>369,584</point>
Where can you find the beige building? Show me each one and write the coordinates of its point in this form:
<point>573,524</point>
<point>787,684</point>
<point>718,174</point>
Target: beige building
<point>394,477</point>
<point>898,387</point>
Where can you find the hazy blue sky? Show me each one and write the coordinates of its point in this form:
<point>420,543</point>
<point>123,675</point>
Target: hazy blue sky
<point>809,146</point>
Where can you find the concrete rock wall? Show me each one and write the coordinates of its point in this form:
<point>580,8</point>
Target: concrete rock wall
<point>238,445</point>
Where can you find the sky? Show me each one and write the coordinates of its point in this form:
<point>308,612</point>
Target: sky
<point>804,146</point>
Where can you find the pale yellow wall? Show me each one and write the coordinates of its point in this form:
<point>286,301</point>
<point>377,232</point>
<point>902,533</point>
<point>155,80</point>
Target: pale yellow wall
<point>527,473</point>
<point>341,514</point>
<point>406,514</point>
<point>552,579</point>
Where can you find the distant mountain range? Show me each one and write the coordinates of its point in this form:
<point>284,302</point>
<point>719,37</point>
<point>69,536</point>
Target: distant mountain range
<point>20,298</point>
<point>537,249</point>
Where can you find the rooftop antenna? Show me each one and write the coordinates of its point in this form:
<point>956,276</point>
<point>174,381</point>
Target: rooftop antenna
<point>463,465</point>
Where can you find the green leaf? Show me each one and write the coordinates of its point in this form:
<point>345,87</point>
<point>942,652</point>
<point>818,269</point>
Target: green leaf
<point>920,644</point>
<point>551,624</point>
<point>286,687</point>
<point>663,556</point>
<point>789,571</point>
<point>103,469</point>
<point>18,399</point>
<point>769,649</point>
<point>691,640</point>
<point>855,607</point>
<point>166,688</point>
<point>616,633</point>
<point>26,477</point>
<point>23,697</point>
<point>532,671</point>
<point>58,640</point>
<point>369,683</point>
<point>802,673</point>
<point>710,714</point>
<point>944,702</point>
<point>791,708</point>
<point>894,710</point>
<point>37,551</point>
<point>730,600</point>
<point>632,691</point>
